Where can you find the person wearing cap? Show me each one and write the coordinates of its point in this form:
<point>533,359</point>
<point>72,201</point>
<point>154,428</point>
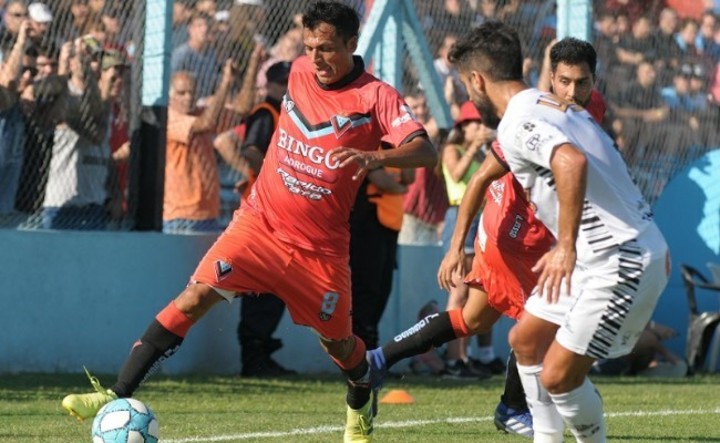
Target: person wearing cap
<point>76,192</point>
<point>678,96</point>
<point>40,19</point>
<point>461,157</point>
<point>119,130</point>
<point>261,315</point>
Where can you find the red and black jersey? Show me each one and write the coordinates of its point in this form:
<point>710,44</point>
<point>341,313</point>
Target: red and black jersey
<point>304,195</point>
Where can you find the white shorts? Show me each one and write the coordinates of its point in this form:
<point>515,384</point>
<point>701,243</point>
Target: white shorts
<point>612,301</point>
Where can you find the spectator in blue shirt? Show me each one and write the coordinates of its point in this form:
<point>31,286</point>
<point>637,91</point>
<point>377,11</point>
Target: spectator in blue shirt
<point>197,57</point>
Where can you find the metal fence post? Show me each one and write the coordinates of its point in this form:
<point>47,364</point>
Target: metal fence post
<point>148,140</point>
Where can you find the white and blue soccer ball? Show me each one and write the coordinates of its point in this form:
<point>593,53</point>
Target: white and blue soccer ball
<point>125,420</point>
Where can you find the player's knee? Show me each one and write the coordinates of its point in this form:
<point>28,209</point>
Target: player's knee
<point>559,379</point>
<point>519,344</point>
<point>338,349</point>
<point>528,350</point>
<point>196,299</point>
<point>476,325</point>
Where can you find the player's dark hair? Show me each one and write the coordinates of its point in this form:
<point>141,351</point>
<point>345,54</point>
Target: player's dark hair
<point>342,17</point>
<point>573,51</point>
<point>493,48</point>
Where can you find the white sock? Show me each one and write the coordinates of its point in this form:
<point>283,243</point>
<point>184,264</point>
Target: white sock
<point>486,354</point>
<point>582,410</point>
<point>548,425</point>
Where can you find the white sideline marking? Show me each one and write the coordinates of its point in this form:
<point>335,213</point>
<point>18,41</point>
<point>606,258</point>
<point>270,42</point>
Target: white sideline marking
<point>412,423</point>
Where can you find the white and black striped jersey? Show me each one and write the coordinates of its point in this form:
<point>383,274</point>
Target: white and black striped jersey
<point>614,211</point>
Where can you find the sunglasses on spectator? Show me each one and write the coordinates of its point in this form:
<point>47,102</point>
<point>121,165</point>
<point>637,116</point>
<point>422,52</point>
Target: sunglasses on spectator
<point>17,14</point>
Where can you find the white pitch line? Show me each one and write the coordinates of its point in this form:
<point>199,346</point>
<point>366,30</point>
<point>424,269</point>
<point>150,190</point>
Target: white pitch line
<point>412,423</point>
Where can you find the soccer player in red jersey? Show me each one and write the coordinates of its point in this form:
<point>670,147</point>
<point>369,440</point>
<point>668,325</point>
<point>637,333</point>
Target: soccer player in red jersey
<point>291,237</point>
<point>510,242</point>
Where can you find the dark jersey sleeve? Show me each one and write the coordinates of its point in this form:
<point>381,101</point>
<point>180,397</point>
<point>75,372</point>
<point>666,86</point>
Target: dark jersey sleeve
<point>260,127</point>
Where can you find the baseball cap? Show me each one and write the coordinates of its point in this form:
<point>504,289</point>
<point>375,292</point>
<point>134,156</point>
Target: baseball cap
<point>278,73</point>
<point>40,13</point>
<point>222,15</point>
<point>112,57</point>
<point>468,113</point>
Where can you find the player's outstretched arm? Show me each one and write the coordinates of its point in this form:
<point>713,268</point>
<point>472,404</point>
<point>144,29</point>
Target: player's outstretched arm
<point>490,170</point>
<point>416,153</point>
<point>569,168</point>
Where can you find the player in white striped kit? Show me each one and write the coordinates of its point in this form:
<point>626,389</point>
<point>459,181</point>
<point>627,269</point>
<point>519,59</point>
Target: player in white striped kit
<point>599,285</point>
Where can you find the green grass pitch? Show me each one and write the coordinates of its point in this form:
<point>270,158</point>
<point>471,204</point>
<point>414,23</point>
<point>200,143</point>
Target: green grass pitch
<point>312,409</point>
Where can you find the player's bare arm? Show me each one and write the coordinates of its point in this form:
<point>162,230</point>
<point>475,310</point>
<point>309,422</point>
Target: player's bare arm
<point>417,153</point>
<point>386,182</point>
<point>569,168</point>
<point>454,261</point>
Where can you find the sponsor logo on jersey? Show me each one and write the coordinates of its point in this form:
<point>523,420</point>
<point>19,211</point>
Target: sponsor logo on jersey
<point>497,189</point>
<point>532,142</point>
<point>516,226</point>
<point>314,154</point>
<point>302,188</point>
<point>406,115</point>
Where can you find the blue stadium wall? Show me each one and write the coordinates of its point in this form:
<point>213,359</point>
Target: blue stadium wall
<point>70,299</point>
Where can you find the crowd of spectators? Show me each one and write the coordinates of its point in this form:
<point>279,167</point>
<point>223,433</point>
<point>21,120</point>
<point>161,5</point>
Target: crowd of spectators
<point>65,92</point>
<point>661,79</point>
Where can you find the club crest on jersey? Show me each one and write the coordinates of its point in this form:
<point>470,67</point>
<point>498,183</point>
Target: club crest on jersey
<point>222,269</point>
<point>289,104</point>
<point>340,124</point>
<point>532,142</point>
<point>329,303</point>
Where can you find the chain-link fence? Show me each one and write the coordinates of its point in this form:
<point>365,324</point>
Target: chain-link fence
<point>67,112</point>
<point>70,95</point>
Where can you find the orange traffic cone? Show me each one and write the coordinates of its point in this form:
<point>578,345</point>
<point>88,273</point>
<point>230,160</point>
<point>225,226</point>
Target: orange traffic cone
<point>397,397</point>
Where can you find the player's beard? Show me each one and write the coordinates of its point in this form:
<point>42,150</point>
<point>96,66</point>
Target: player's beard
<point>488,111</point>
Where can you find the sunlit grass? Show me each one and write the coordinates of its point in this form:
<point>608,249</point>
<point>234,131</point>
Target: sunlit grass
<point>232,409</point>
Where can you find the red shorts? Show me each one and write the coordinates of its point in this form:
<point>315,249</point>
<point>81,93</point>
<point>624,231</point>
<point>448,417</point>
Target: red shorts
<point>247,257</point>
<point>506,278</point>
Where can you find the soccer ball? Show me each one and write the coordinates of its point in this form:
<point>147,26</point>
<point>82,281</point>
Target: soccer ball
<point>125,420</point>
